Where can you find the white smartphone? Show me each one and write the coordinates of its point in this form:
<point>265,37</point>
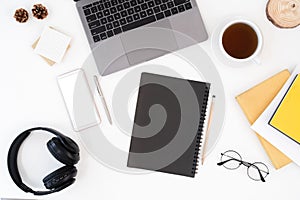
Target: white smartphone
<point>79,100</point>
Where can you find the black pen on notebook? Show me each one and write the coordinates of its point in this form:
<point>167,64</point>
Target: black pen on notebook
<point>208,128</point>
<point>102,99</point>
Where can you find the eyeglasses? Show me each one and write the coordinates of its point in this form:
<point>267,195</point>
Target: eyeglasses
<point>257,171</point>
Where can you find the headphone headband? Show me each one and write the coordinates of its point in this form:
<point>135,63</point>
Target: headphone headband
<point>12,162</point>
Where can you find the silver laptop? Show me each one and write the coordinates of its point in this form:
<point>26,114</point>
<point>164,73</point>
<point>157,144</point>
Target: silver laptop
<point>123,33</point>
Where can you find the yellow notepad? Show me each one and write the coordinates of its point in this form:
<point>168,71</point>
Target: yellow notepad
<point>255,100</point>
<point>287,116</point>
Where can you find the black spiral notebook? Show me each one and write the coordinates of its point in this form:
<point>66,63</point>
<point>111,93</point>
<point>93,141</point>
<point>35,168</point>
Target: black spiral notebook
<point>168,124</point>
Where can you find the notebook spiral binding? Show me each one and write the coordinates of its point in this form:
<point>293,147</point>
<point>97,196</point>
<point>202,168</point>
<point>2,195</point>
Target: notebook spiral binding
<point>199,132</point>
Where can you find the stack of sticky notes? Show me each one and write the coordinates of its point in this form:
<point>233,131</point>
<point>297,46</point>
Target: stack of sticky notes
<point>52,45</point>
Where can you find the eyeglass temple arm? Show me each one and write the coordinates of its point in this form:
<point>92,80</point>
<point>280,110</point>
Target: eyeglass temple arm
<point>260,175</point>
<point>225,161</point>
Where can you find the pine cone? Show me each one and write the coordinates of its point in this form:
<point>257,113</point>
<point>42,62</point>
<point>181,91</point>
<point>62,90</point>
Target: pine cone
<point>39,11</point>
<point>21,15</point>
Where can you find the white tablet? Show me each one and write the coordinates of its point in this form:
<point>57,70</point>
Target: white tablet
<point>79,100</point>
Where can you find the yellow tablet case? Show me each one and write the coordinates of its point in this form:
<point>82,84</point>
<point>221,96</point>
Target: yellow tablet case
<point>286,118</point>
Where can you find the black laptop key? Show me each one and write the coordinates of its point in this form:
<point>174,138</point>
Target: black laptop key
<point>137,9</point>
<point>117,31</point>
<point>138,23</point>
<point>165,1</point>
<point>110,33</point>
<point>126,5</point>
<point>103,21</point>
<point>109,26</point>
<point>100,7</point>
<point>124,13</point>
<point>94,24</point>
<point>120,7</point>
<point>179,2</point>
<point>91,18</point>
<point>159,16</point>
<point>106,12</point>
<point>103,36</point>
<point>144,6</point>
<point>87,6</point>
<point>98,30</point>
<point>87,12</point>
<point>133,3</point>
<point>113,10</point>
<point>181,8</point>
<point>149,12</point>
<point>188,6</point>
<point>94,9</point>
<point>96,38</point>
<point>167,13</point>
<point>136,17</point>
<point>121,1</point>
<point>99,15</point>
<point>163,7</point>
<point>110,18</point>
<point>96,3</point>
<point>156,9</point>
<point>140,1</point>
<point>114,2</point>
<point>107,4</point>
<point>130,11</point>
<point>170,4</point>
<point>143,14</point>
<point>129,19</point>
<point>122,21</point>
<point>150,4</point>
<point>158,2</point>
<point>116,24</point>
<point>174,11</point>
<point>117,16</point>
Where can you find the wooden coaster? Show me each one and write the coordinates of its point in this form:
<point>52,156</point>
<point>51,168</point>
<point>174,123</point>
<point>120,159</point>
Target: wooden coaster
<point>284,13</point>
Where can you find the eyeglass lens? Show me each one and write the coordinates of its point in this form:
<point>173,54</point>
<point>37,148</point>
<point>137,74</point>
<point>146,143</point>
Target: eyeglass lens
<point>256,170</point>
<point>231,159</point>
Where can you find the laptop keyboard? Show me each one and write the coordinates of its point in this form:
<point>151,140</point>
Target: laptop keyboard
<point>107,18</point>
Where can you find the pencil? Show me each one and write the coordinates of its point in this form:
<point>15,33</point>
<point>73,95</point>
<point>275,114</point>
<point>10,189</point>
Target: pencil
<point>208,129</point>
<point>102,99</point>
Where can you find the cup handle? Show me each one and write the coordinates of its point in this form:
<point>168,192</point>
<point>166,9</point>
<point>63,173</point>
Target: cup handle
<point>256,61</point>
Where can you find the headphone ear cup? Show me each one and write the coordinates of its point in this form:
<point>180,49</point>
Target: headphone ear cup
<point>61,153</point>
<point>62,177</point>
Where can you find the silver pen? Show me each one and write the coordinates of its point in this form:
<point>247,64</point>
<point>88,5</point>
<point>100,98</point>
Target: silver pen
<point>102,99</point>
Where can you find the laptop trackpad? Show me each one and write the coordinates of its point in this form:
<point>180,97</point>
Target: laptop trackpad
<point>148,42</point>
<point>110,56</point>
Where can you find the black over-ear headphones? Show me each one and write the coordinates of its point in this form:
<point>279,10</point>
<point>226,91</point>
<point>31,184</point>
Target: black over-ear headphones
<point>61,147</point>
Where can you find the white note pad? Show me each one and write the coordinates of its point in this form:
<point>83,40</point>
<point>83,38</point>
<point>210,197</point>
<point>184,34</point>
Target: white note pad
<point>78,100</point>
<point>287,146</point>
<point>52,44</point>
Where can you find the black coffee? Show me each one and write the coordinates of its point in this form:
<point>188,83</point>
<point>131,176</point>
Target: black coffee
<point>240,40</point>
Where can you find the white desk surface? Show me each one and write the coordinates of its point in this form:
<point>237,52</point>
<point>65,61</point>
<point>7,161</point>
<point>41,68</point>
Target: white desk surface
<point>30,97</point>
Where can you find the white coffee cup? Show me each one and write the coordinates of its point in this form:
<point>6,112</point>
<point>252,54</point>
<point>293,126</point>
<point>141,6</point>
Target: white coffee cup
<point>255,54</point>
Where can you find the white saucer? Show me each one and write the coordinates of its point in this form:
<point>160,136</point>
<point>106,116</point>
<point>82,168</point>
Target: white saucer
<point>215,45</point>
